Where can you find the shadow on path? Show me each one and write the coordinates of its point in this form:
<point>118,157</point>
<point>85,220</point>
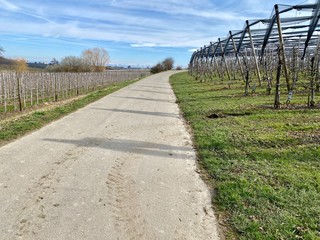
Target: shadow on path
<point>129,146</point>
<point>150,91</point>
<point>159,114</point>
<point>144,99</point>
<point>153,86</point>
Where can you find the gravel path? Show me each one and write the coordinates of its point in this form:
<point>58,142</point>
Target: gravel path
<point>120,168</point>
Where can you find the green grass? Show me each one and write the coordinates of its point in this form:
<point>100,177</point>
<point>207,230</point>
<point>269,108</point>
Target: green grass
<point>10,130</point>
<point>264,164</point>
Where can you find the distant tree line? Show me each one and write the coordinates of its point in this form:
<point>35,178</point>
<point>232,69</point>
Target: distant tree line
<point>91,60</point>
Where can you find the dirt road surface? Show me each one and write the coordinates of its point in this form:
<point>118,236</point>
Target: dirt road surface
<point>120,168</point>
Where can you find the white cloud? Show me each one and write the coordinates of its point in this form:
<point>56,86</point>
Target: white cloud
<point>9,6</point>
<point>139,25</point>
<point>143,45</point>
<point>156,23</point>
<point>200,8</point>
<point>139,31</point>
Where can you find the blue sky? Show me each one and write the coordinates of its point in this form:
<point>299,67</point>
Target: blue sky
<point>133,32</point>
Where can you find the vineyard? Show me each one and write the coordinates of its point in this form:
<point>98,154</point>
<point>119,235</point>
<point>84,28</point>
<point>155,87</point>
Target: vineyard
<point>19,91</point>
<point>279,55</point>
<point>263,162</point>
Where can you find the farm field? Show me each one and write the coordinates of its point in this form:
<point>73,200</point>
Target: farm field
<point>19,124</point>
<point>262,163</point>
<point>23,90</point>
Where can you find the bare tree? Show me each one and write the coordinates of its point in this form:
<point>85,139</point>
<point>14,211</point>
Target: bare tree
<point>1,51</point>
<point>97,58</point>
<point>165,65</point>
<point>168,64</point>
<point>157,68</point>
<point>20,65</point>
<point>54,62</point>
<point>73,64</point>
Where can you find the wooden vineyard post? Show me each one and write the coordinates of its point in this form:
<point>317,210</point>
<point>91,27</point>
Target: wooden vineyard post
<point>1,89</point>
<point>311,102</point>
<point>37,89</point>
<point>246,91</point>
<point>254,53</point>
<point>247,76</point>
<point>204,63</point>
<point>281,48</point>
<point>5,93</point>
<point>277,92</point>
<point>224,60</point>
<point>237,57</point>
<point>30,82</point>
<point>217,67</point>
<point>268,76</point>
<point>42,86</point>
<point>77,83</point>
<point>294,71</point>
<point>55,88</point>
<point>315,76</point>
<point>208,63</point>
<point>14,93</point>
<point>69,85</point>
<point>216,63</point>
<point>23,90</point>
<point>200,64</point>
<point>18,75</point>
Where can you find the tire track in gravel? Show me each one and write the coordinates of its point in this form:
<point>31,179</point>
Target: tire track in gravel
<point>124,205</point>
<point>34,212</point>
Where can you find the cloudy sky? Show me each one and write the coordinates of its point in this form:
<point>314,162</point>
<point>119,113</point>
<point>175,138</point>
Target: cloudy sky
<point>133,32</point>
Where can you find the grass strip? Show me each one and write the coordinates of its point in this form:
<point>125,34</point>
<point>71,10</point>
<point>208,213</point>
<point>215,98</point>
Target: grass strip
<point>12,130</point>
<point>264,164</point>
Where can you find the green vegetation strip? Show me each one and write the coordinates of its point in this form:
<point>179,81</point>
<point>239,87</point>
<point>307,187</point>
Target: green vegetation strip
<point>11,130</point>
<point>264,164</point>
